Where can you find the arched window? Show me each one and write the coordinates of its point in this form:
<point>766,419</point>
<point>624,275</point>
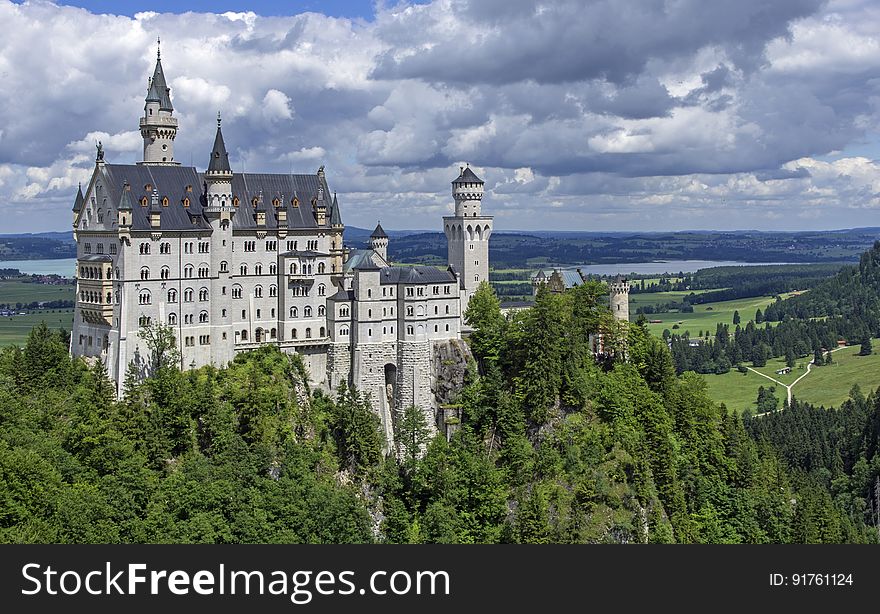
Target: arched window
<point>203,317</point>
<point>244,334</point>
<point>273,269</point>
<point>322,331</point>
<point>258,292</point>
<point>224,266</point>
<point>203,295</point>
<point>293,312</point>
<point>409,310</point>
<point>308,333</point>
<point>258,269</point>
<point>109,298</point>
<point>293,333</point>
<point>172,318</point>
<point>145,273</point>
<point>188,295</point>
<point>343,311</point>
<point>273,290</point>
<point>293,268</point>
<point>321,268</point>
<point>172,296</point>
<point>236,291</point>
<point>164,273</point>
<point>243,269</point>
<point>273,333</point>
<point>144,298</point>
<point>343,332</point>
<point>188,271</point>
<point>322,311</point>
<point>307,311</point>
<point>145,249</point>
<point>203,270</point>
<point>322,290</point>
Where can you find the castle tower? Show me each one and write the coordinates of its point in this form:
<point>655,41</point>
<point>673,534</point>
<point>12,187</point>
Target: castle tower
<point>467,233</point>
<point>218,176</point>
<point>158,126</point>
<point>379,242</point>
<point>619,298</point>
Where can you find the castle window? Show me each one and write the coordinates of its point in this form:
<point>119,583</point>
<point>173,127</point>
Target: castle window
<point>100,247</point>
<point>295,202</point>
<point>172,318</point>
<point>205,339</point>
<point>243,269</point>
<point>144,298</point>
<point>203,317</point>
<point>409,310</point>
<point>273,269</point>
<point>307,311</point>
<point>224,267</point>
<point>243,314</point>
<point>164,198</point>
<point>321,268</point>
<point>258,269</point>
<point>204,246</point>
<point>142,321</point>
<point>343,332</point>
<point>293,333</point>
<point>436,328</point>
<point>203,271</point>
<point>308,333</point>
<point>186,202</point>
<point>447,309</point>
<point>87,248</point>
<point>436,289</point>
<point>144,248</point>
<point>165,248</point>
<point>145,273</point>
<point>143,201</point>
<point>343,311</point>
<point>293,312</point>
<point>164,273</point>
<point>369,313</point>
<point>254,202</point>
<point>420,291</point>
<point>321,311</point>
<point>410,291</point>
<point>203,295</point>
<point>322,290</point>
<point>384,330</point>
<point>447,328</point>
<point>273,333</point>
<point>235,201</point>
<point>323,332</point>
<point>369,293</point>
<point>244,335</point>
<point>109,298</point>
<point>223,314</point>
<point>258,314</point>
<point>476,278</point>
<point>188,271</point>
<point>188,295</point>
<point>258,292</point>
<point>188,318</point>
<point>172,296</point>
<point>292,268</point>
<point>436,309</point>
<point>273,290</point>
<point>236,291</point>
<point>409,330</point>
<point>113,248</point>
<point>445,289</point>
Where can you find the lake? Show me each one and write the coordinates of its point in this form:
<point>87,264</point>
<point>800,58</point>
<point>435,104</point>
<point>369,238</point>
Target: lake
<point>658,268</point>
<point>65,267</point>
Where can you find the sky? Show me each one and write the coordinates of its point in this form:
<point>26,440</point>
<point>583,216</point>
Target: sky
<point>598,115</point>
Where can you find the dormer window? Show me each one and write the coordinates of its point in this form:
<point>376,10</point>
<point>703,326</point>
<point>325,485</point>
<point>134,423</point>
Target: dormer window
<point>144,201</point>
<point>276,202</point>
<point>186,202</point>
<point>235,201</point>
<point>295,202</point>
<point>164,201</point>
<point>148,187</point>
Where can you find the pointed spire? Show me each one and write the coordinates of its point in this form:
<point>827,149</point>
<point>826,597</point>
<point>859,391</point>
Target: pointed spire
<point>80,200</point>
<point>159,90</point>
<point>219,158</point>
<point>125,198</point>
<point>335,216</point>
<point>379,233</point>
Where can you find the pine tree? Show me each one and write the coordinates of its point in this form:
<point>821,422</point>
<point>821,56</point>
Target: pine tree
<point>866,349</point>
<point>736,318</point>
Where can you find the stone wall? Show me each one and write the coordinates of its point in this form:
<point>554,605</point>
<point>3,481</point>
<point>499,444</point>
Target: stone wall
<point>415,379</point>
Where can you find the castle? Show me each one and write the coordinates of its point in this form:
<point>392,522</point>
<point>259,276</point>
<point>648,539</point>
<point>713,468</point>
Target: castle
<point>232,261</point>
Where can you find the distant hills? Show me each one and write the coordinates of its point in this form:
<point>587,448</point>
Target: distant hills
<point>533,249</point>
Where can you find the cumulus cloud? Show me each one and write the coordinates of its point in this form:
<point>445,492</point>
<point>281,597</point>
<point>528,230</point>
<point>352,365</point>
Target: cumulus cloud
<point>611,114</point>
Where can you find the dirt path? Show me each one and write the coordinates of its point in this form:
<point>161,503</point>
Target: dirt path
<point>788,387</point>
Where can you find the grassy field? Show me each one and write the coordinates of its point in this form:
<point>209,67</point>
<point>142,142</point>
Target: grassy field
<point>654,298</point>
<point>19,292</point>
<point>828,386</point>
<point>705,317</point>
<point>14,330</point>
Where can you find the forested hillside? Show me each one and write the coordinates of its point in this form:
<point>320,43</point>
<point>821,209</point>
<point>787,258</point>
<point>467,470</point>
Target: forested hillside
<point>552,447</point>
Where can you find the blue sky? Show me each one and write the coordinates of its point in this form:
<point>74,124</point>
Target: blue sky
<point>607,115</point>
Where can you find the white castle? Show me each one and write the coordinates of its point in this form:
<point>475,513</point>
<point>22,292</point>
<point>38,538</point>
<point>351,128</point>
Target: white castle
<point>232,261</point>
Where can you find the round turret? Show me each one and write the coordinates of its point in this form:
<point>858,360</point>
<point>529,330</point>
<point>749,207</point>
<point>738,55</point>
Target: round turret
<point>467,191</point>
<point>619,298</point>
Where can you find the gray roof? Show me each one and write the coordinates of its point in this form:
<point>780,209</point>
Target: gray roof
<point>379,233</point>
<point>159,90</point>
<point>96,258</point>
<point>467,176</point>
<point>357,258</point>
<point>125,198</point>
<point>415,275</point>
<point>343,295</point>
<point>570,278</point>
<point>80,200</point>
<point>219,158</point>
<point>172,182</point>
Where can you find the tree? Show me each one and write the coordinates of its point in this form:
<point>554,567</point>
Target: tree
<point>736,318</point>
<point>759,317</point>
<point>818,360</point>
<point>484,315</point>
<point>356,430</point>
<point>160,340</point>
<point>767,400</point>
<point>411,436</point>
<point>790,358</point>
<point>866,349</point>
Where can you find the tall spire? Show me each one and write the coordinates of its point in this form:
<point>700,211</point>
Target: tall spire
<point>158,125</point>
<point>80,200</point>
<point>219,158</point>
